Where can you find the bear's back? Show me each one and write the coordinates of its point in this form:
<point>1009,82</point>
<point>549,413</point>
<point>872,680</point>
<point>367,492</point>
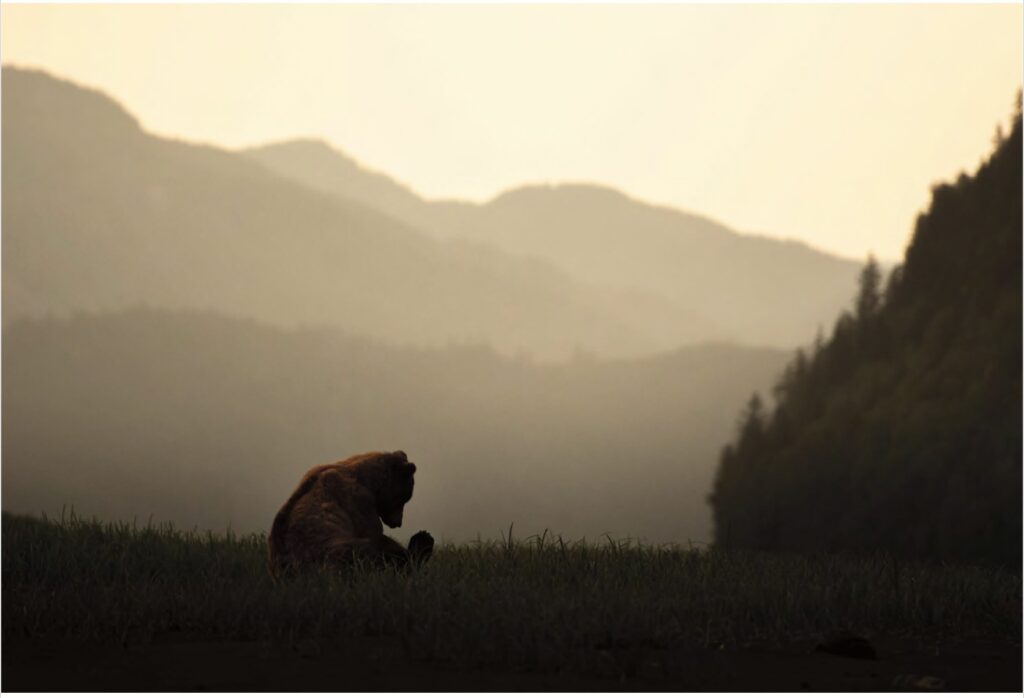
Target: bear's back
<point>328,506</point>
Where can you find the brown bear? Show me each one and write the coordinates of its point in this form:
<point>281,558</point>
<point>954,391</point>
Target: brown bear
<point>335,514</point>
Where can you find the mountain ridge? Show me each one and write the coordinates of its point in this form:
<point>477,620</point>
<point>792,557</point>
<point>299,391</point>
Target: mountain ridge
<point>99,215</point>
<point>323,148</point>
<point>758,288</point>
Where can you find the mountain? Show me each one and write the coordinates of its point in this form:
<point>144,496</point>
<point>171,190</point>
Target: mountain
<point>902,433</point>
<point>208,421</point>
<point>756,289</point>
<point>315,164</point>
<point>99,215</point>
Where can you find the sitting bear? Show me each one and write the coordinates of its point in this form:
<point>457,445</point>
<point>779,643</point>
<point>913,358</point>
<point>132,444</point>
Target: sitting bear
<point>334,516</point>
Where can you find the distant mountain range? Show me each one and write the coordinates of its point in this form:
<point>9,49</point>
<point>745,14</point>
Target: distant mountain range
<point>753,289</point>
<point>99,215</point>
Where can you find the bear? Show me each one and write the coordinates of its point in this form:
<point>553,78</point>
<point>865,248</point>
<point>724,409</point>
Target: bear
<point>334,516</point>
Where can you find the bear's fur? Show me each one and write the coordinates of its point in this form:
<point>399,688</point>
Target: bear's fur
<point>335,514</point>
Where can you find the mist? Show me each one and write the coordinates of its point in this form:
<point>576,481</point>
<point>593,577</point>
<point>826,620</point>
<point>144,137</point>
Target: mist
<point>188,329</point>
<point>275,418</point>
<point>208,421</point>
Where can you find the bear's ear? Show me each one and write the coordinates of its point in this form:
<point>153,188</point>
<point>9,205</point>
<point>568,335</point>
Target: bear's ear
<point>401,454</point>
<point>405,468</point>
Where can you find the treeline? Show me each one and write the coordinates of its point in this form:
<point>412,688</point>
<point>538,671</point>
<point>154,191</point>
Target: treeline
<point>902,432</point>
<point>206,420</point>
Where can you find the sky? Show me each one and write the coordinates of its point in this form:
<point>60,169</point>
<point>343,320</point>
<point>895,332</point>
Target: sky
<point>824,123</point>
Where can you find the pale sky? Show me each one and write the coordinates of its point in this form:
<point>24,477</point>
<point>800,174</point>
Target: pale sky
<point>824,123</point>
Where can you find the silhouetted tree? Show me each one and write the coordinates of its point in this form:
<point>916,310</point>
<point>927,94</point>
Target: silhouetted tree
<point>753,422</point>
<point>869,296</point>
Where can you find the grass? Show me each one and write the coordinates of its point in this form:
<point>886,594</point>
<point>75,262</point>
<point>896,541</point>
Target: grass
<point>535,604</point>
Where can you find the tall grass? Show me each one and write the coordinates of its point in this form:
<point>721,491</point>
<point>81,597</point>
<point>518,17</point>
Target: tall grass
<point>539,603</point>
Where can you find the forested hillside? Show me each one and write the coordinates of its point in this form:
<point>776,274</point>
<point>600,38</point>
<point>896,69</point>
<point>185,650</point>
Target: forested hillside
<point>902,432</point>
<point>205,420</point>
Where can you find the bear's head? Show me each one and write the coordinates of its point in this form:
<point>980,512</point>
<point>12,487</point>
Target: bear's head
<point>394,487</point>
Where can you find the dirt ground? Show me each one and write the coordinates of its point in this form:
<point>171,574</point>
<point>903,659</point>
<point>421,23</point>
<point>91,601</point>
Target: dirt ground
<point>180,663</point>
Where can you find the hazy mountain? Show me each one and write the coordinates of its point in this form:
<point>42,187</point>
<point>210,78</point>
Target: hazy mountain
<point>100,215</point>
<point>757,289</point>
<point>205,420</point>
<point>902,433</point>
<point>314,163</point>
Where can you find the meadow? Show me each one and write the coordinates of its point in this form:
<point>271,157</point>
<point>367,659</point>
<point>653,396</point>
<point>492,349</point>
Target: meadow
<point>535,606</point>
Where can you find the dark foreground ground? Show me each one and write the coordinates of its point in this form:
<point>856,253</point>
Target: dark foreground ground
<point>175,664</point>
<point>94,607</point>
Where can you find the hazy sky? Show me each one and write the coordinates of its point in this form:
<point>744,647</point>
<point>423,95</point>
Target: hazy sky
<point>824,123</point>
